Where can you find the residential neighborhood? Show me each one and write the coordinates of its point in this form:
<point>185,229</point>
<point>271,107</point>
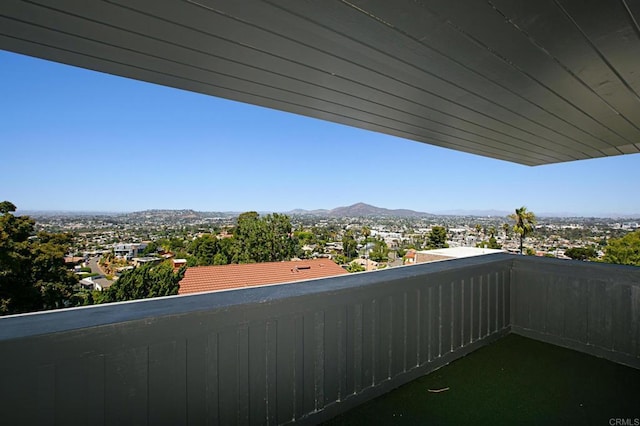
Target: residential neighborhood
<point>107,245</point>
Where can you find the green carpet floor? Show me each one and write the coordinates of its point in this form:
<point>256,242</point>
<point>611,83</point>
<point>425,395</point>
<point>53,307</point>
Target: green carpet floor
<point>516,381</point>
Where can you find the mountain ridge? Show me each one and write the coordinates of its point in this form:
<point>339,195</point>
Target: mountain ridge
<point>360,210</point>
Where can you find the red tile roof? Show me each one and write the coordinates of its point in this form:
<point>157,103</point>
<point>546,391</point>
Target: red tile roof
<point>225,277</point>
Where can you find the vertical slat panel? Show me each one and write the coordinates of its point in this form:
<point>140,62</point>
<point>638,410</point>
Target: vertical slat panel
<point>495,291</point>
<point>537,304</point>
<point>126,386</point>
<point>385,327</point>
<point>600,313</point>
<point>271,358</point>
<point>353,374</point>
<point>285,361</point>
<point>474,307</point>
<point>456,314</point>
<point>212,362</point>
<point>425,324</point>
<point>331,355</point>
<point>556,302</point>
<point>94,396</point>
<point>319,359</point>
<point>412,320</point>
<point>167,370</point>
<point>522,299</point>
<point>446,318</point>
<point>576,310</point>
<point>467,317</point>
<point>257,373</point>
<point>484,305</point>
<point>500,297</point>
<point>243,374</point>
<point>434,322</point>
<point>228,376</point>
<point>479,316</point>
<point>299,366</point>
<point>635,320</point>
<point>398,332</point>
<point>309,339</point>
<point>46,395</point>
<point>508,285</point>
<point>196,380</point>
<point>621,325</point>
<point>368,344</point>
<point>70,387</point>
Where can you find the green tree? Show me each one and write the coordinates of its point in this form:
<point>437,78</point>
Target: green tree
<point>268,239</point>
<point>524,225</point>
<point>623,251</point>
<point>355,267</point>
<point>506,228</point>
<point>280,242</point>
<point>437,238</point>
<point>33,275</point>
<point>349,245</point>
<point>144,282</point>
<point>580,253</point>
<point>379,252</point>
<point>204,249</point>
<point>151,248</point>
<point>340,259</point>
<point>492,243</point>
<point>365,231</point>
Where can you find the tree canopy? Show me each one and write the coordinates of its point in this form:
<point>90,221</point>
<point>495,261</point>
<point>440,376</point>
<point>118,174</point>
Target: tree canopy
<point>623,251</point>
<point>33,275</point>
<point>380,251</point>
<point>581,253</point>
<point>349,245</point>
<point>266,239</point>
<point>143,282</point>
<point>437,238</point>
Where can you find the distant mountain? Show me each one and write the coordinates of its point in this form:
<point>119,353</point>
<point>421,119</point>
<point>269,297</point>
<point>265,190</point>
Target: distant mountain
<point>360,210</point>
<point>459,212</point>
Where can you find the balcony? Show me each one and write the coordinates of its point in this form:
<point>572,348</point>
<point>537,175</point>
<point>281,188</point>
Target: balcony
<point>515,380</point>
<point>303,352</point>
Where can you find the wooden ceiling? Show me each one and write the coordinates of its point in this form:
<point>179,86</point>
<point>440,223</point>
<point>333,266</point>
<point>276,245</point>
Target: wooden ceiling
<point>532,82</point>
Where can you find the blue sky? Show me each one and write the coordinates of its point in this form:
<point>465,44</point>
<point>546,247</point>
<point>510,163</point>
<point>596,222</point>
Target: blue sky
<point>73,139</point>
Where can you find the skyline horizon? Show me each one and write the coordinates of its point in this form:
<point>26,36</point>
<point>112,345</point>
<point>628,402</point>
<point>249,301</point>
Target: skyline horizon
<point>79,140</point>
<point>447,212</point>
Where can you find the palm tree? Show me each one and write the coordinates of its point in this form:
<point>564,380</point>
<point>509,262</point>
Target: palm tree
<point>506,227</point>
<point>524,223</point>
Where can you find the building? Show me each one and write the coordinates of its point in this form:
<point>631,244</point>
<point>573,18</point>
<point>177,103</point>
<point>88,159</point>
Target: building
<point>139,261</point>
<point>226,277</point>
<point>129,250</point>
<point>425,256</point>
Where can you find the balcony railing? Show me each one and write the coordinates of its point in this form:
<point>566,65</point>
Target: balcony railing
<point>305,351</point>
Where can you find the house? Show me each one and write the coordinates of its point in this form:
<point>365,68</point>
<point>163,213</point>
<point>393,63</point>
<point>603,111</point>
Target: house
<point>425,256</point>
<point>139,261</point>
<point>129,250</point>
<point>226,277</point>
<point>179,263</point>
<point>367,264</point>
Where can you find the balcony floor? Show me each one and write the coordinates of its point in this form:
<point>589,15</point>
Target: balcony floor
<point>513,381</point>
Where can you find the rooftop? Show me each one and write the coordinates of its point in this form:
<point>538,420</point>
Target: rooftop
<point>225,277</point>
